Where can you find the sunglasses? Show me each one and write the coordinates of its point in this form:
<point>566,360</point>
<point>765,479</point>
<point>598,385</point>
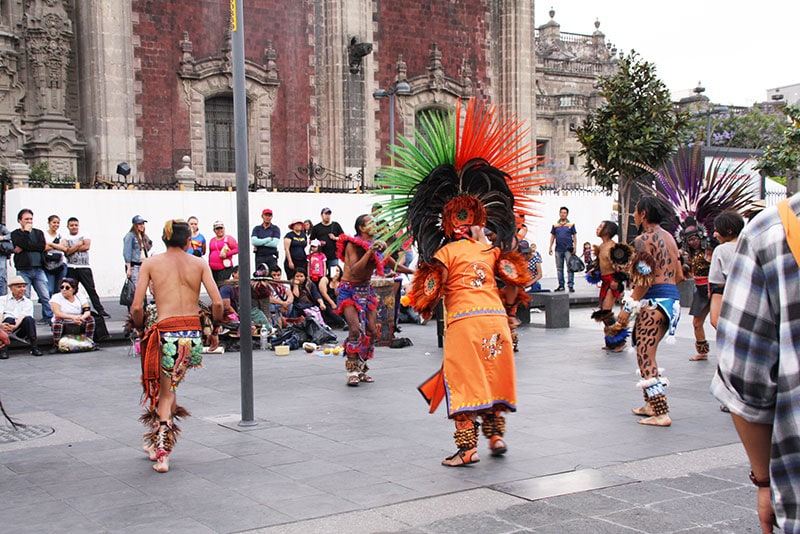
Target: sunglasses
<point>66,286</point>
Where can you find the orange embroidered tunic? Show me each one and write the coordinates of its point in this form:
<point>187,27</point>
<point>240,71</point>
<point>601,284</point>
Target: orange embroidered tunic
<point>478,366</point>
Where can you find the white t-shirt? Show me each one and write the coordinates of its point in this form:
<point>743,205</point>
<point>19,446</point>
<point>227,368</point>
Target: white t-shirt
<point>78,260</point>
<point>70,308</point>
<point>720,262</point>
<point>48,238</point>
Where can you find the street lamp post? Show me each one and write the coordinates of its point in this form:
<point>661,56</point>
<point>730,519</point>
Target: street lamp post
<point>399,88</point>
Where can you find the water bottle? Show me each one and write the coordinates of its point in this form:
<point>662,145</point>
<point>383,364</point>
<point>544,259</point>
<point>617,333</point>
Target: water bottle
<point>264,337</point>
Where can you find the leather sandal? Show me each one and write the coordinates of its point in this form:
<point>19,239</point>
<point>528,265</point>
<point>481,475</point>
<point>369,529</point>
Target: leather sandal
<point>497,445</point>
<point>462,458</point>
<point>353,379</point>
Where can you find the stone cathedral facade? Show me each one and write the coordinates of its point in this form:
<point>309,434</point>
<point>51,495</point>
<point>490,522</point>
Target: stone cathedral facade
<point>87,84</point>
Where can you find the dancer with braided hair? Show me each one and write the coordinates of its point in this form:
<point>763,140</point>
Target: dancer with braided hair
<point>461,174</point>
<point>654,304</point>
<point>173,344</point>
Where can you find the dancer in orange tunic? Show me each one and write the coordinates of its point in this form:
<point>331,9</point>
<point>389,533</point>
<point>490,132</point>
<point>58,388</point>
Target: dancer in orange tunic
<point>468,173</point>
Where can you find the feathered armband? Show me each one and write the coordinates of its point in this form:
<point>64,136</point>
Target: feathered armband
<point>643,269</point>
<point>512,268</point>
<point>426,288</point>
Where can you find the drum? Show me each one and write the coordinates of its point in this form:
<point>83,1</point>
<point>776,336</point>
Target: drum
<point>384,288</point>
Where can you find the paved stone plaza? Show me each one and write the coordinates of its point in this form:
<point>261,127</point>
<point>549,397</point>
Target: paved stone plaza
<point>328,458</point>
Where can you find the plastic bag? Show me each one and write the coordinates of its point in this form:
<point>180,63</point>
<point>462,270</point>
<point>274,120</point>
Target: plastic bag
<point>575,264</point>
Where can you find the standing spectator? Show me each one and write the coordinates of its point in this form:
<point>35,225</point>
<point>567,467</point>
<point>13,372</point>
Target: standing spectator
<point>78,267</point>
<point>17,315</point>
<point>29,246</point>
<point>307,225</point>
<point>727,227</point>
<point>294,246</point>
<point>55,261</point>
<point>316,262</point>
<point>197,244</point>
<point>222,249</point>
<point>135,247</point>
<point>587,252</point>
<point>327,232</point>
<point>565,237</point>
<point>758,338</point>
<point>6,250</point>
<point>265,239</point>
<point>70,308</point>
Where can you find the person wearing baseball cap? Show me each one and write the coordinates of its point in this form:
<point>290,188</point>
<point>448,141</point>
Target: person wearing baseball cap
<point>265,239</point>
<point>327,233</point>
<point>17,316</point>
<point>135,247</point>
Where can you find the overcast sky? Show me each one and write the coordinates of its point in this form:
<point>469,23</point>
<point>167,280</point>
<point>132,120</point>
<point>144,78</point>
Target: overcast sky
<point>738,49</point>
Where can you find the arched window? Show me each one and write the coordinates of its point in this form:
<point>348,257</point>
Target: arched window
<point>440,113</point>
<point>219,134</point>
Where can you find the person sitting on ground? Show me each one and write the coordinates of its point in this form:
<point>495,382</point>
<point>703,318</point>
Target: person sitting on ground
<point>17,312</point>
<point>307,299</point>
<point>328,288</point>
<point>280,298</point>
<point>70,308</point>
<point>229,291</point>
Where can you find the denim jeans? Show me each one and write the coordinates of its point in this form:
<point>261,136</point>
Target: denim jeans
<point>37,280</point>
<point>561,259</point>
<point>54,278</point>
<point>3,275</point>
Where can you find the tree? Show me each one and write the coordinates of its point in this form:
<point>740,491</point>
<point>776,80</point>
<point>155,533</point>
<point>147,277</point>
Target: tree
<point>637,124</point>
<point>783,158</point>
<point>741,128</point>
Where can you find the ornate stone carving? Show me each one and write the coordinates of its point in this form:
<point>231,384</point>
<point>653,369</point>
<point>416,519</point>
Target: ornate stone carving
<point>48,34</point>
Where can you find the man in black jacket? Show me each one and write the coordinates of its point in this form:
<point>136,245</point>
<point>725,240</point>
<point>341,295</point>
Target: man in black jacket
<point>29,245</point>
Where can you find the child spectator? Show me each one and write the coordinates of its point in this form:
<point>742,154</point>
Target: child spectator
<point>587,254</point>
<point>316,262</point>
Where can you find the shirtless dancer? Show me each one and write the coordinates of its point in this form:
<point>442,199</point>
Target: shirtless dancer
<point>610,288</point>
<point>175,343</point>
<point>655,303</point>
<point>357,299</point>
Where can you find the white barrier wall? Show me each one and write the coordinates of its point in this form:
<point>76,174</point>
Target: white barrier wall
<point>106,217</point>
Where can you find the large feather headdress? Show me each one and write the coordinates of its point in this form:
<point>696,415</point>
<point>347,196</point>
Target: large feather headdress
<point>469,167</point>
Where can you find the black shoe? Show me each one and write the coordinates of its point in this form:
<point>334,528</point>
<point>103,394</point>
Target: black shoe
<point>3,354</point>
<point>36,351</point>
<point>559,288</point>
<point>105,314</point>
<point>572,290</point>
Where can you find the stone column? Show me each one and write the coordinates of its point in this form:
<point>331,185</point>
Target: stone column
<point>19,171</point>
<point>186,176</point>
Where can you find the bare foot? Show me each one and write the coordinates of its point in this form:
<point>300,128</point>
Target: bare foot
<point>644,410</point>
<point>656,420</point>
<point>162,466</point>
<point>150,450</point>
<point>698,358</point>
<point>620,348</point>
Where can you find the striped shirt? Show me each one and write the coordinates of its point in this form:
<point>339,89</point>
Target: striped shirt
<point>758,377</point>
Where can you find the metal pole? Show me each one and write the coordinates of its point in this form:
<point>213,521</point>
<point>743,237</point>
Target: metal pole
<point>242,210</point>
<point>391,125</point>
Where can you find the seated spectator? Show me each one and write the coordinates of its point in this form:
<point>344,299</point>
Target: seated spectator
<point>328,288</point>
<point>229,291</point>
<point>17,312</point>
<point>307,299</point>
<point>70,312</point>
<point>281,298</point>
<point>534,265</point>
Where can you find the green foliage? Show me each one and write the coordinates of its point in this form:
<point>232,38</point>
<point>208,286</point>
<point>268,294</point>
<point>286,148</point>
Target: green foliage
<point>40,172</point>
<point>750,128</point>
<point>783,157</point>
<point>637,123</point>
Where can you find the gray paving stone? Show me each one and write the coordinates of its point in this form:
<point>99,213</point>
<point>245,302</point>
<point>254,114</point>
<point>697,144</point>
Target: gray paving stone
<point>701,510</point>
<point>536,514</point>
<point>584,525</point>
<point>642,493</point>
<point>650,520</point>
<point>484,523</point>
<point>698,484</point>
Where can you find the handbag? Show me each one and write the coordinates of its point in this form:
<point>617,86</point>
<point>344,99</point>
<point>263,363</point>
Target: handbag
<point>126,295</point>
<point>53,260</point>
<point>575,264</point>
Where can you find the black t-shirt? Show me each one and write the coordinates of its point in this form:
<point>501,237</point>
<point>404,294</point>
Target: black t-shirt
<point>321,232</point>
<point>297,247</point>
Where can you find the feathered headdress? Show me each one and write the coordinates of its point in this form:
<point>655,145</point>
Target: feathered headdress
<point>699,195</point>
<point>472,167</point>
